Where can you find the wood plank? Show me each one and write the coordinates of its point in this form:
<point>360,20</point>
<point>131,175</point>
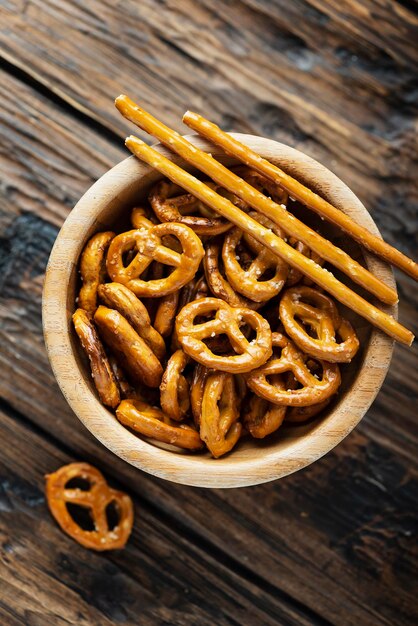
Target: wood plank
<point>157,578</point>
<point>335,79</point>
<point>306,540</point>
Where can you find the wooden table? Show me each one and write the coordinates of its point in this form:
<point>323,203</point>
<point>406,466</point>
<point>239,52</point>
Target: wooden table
<point>332,544</point>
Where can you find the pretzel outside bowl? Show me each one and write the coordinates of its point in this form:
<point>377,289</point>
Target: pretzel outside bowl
<point>249,354</point>
<point>95,500</point>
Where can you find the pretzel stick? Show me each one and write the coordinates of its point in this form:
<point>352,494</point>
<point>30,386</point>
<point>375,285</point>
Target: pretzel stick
<point>249,194</point>
<point>310,199</point>
<point>265,236</point>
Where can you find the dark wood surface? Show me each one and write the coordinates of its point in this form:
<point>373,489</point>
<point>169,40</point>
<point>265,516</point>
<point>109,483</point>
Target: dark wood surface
<point>333,544</point>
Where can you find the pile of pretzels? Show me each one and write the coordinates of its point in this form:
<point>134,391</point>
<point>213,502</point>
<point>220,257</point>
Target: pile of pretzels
<point>196,333</point>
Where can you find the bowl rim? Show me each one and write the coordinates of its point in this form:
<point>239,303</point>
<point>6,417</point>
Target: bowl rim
<point>185,468</point>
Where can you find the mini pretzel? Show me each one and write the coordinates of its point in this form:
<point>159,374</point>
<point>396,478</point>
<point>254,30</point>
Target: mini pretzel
<point>228,321</point>
<point>298,414</point>
<point>219,286</point>
<point>137,217</point>
<point>197,387</point>
<point>95,500</point>
<point>262,184</point>
<point>93,269</point>
<point>172,204</point>
<point>141,362</point>
<point>148,246</point>
<point>103,377</point>
<point>219,427</point>
<point>304,306</point>
<point>262,417</point>
<point>166,314</point>
<point>249,281</point>
<point>314,388</point>
<point>117,296</point>
<point>174,388</point>
<point>152,422</point>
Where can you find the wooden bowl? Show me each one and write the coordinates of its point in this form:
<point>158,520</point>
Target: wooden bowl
<point>106,206</point>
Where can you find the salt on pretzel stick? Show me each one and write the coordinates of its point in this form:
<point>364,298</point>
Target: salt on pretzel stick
<point>256,199</point>
<point>326,210</point>
<point>224,207</point>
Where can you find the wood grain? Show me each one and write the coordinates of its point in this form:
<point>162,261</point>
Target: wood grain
<point>336,542</point>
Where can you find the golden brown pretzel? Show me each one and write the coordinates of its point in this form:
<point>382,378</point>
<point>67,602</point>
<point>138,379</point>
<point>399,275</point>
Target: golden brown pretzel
<point>172,204</point>
<point>219,285</point>
<point>103,377</point>
<point>152,422</point>
<point>117,296</point>
<point>249,281</point>
<point>174,388</point>
<point>295,276</point>
<point>248,354</point>
<point>96,499</point>
<point>166,314</point>
<point>262,417</point>
<point>263,184</point>
<point>197,387</point>
<point>219,426</point>
<point>303,306</point>
<point>298,414</point>
<point>149,247</point>
<point>93,269</point>
<point>314,388</point>
<point>141,362</point>
<point>138,214</point>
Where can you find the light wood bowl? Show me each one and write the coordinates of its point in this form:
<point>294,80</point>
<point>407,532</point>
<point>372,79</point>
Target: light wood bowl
<point>106,206</point>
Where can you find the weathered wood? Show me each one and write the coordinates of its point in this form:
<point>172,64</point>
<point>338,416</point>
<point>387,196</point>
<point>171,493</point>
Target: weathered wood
<point>335,79</point>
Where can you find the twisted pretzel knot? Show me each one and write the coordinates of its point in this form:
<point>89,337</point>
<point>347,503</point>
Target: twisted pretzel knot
<point>250,354</point>
<point>171,204</point>
<point>96,499</point>
<point>117,296</point>
<point>174,388</point>
<point>219,427</point>
<point>262,417</point>
<point>219,286</point>
<point>249,281</point>
<point>129,347</point>
<point>320,314</point>
<point>263,184</point>
<point>152,422</point>
<point>314,389</point>
<point>146,241</point>
<point>101,370</point>
<point>298,414</point>
<point>93,269</point>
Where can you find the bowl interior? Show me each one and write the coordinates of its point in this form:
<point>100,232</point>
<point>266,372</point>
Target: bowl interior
<point>106,206</point>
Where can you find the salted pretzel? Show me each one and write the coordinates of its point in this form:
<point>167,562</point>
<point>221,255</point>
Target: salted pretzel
<point>174,388</point>
<point>262,417</point>
<point>151,422</point>
<point>315,388</point>
<point>96,500</point>
<point>166,314</point>
<point>141,362</point>
<point>117,296</point>
<point>303,307</point>
<point>172,204</point>
<point>248,354</point>
<point>93,269</point>
<point>101,370</point>
<point>146,241</point>
<point>219,426</point>
<point>219,285</point>
<point>249,281</point>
